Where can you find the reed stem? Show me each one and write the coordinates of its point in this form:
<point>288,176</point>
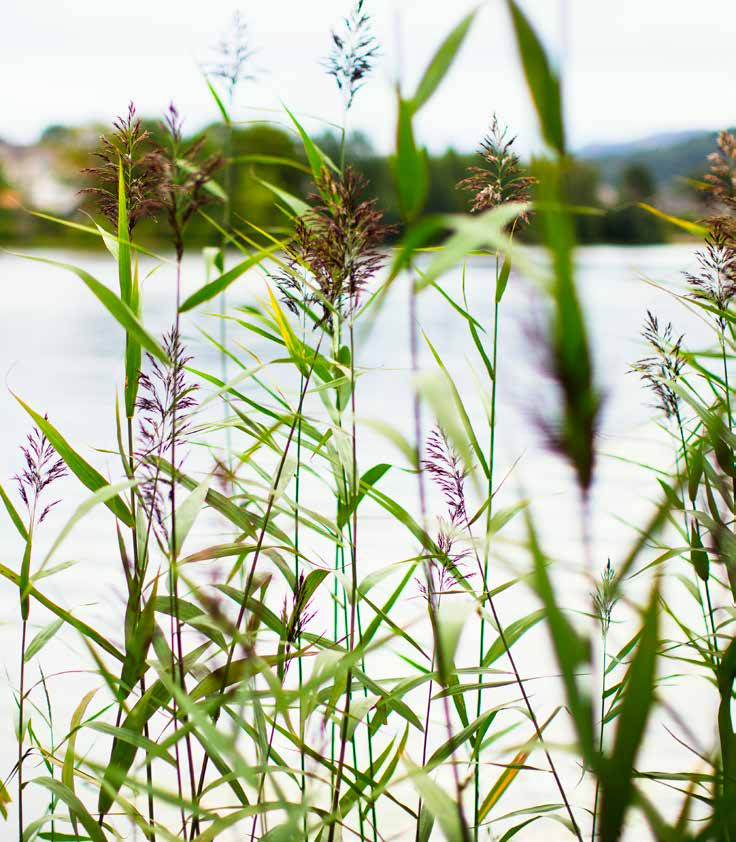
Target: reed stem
<point>353,593</point>
<point>600,734</point>
<point>21,726</point>
<point>706,584</point>
<point>486,546</point>
<point>429,577</point>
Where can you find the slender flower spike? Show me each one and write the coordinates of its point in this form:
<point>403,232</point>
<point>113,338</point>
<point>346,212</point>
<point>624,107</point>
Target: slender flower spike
<point>354,50</point>
<point>296,619</point>
<point>232,56</point>
<point>661,370</point>
<point>445,467</point>
<point>42,468</point>
<point>501,179</point>
<point>604,598</point>
<point>166,399</point>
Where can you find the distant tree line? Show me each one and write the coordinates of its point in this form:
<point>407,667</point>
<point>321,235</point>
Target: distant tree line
<point>606,213</point>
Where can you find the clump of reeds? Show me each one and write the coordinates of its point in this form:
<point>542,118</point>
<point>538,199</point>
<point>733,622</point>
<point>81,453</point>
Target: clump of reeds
<point>231,698</point>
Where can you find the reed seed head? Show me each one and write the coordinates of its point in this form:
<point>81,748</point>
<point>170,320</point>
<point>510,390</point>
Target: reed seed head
<point>353,53</point>
<point>130,145</point>
<point>296,619</point>
<point>166,405</point>
<point>42,468</point>
<point>335,250</point>
<point>721,180</point>
<point>664,367</point>
<point>604,598</point>
<point>444,465</point>
<point>232,56</point>
<point>187,176</point>
<point>501,179</point>
<point>715,280</point>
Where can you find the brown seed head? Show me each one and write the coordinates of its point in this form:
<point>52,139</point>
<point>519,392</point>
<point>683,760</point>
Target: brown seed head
<point>335,251</point>
<point>501,180</point>
<point>130,145</point>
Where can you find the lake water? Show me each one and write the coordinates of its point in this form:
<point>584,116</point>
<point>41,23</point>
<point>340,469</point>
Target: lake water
<point>61,353</point>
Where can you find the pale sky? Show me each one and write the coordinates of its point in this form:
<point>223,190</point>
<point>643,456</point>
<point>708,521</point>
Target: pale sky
<point>632,67</point>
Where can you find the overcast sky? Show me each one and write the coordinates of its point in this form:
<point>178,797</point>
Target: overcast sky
<point>632,67</point>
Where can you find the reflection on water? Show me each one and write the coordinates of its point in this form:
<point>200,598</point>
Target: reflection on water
<point>61,353</point>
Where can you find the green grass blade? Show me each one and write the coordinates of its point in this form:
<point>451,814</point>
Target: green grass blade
<point>214,288</point>
<point>75,805</point>
<point>441,62</point>
<point>13,514</point>
<point>617,786</point>
<point>42,638</point>
<point>571,650</point>
<point>410,166</point>
<point>541,79</point>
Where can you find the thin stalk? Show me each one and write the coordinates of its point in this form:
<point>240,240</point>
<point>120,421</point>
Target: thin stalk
<point>177,649</point>
<point>336,323</point>
<point>600,735</point>
<point>257,552</point>
<point>335,592</point>
<point>520,683</point>
<point>681,430</point>
<point>150,834</point>
<point>340,559</point>
<point>226,221</point>
<point>371,769</point>
<point>21,726</point>
<point>353,596</point>
<point>300,666</point>
<point>585,526</point>
<point>368,716</point>
<point>343,134</point>
<point>727,391</point>
<point>302,759</point>
<point>24,610</point>
<point>139,576</point>
<point>487,544</point>
<point>262,784</point>
<point>433,618</point>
